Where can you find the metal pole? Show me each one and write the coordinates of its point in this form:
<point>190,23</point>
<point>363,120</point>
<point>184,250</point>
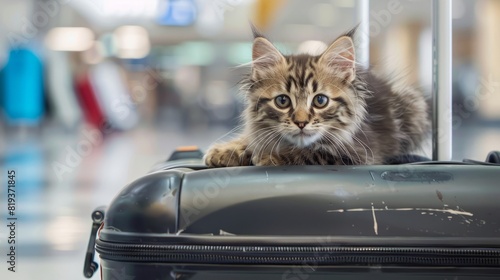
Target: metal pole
<point>441,79</point>
<point>363,33</point>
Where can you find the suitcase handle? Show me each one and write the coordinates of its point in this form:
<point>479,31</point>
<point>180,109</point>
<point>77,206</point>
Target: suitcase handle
<point>186,152</point>
<point>90,266</point>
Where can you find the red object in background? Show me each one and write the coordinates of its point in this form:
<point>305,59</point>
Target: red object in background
<point>90,106</point>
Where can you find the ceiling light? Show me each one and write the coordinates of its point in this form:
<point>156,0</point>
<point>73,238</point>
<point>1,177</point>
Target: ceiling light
<point>132,42</point>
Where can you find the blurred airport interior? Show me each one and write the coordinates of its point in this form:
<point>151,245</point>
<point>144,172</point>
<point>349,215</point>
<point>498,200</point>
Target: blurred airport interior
<point>94,92</point>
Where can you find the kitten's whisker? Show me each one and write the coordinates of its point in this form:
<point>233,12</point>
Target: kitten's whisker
<point>247,64</point>
<point>358,140</point>
<point>240,138</point>
<point>261,129</point>
<point>260,147</point>
<point>256,144</point>
<point>363,145</point>
<point>337,142</point>
<point>334,146</point>
<point>349,142</point>
<point>267,143</point>
<point>229,132</point>
<point>254,141</point>
<point>276,144</point>
<point>325,137</point>
<point>243,138</point>
<point>339,138</point>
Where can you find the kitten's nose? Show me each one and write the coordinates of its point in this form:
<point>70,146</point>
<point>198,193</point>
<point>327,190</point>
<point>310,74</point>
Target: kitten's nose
<point>301,125</point>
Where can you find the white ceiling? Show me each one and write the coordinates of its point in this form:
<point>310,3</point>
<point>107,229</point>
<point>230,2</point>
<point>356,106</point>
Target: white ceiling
<point>297,20</point>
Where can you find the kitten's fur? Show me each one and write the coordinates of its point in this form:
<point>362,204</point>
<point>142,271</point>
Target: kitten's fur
<point>366,120</point>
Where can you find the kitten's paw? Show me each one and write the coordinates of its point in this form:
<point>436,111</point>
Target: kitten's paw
<point>227,154</point>
<point>268,160</point>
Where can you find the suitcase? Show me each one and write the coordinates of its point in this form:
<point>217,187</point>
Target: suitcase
<point>88,100</point>
<point>60,89</point>
<point>114,99</point>
<point>419,221</point>
<point>412,219</point>
<point>23,95</point>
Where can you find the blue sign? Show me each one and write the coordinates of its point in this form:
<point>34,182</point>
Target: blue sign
<point>177,12</point>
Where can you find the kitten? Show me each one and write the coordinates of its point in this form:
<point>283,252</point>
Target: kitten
<point>306,109</point>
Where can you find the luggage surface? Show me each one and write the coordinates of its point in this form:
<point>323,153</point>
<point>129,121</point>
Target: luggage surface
<point>409,200</point>
<point>427,220</point>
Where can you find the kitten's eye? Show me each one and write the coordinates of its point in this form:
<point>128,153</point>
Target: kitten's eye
<point>282,101</point>
<point>320,101</point>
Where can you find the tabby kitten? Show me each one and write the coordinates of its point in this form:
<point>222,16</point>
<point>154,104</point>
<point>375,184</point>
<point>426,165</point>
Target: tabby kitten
<point>306,109</point>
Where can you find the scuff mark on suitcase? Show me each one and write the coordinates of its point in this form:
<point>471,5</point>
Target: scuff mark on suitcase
<point>417,176</point>
<point>375,225</point>
<point>439,195</point>
<point>373,178</point>
<point>340,191</point>
<point>449,211</point>
<point>221,232</point>
<point>267,176</point>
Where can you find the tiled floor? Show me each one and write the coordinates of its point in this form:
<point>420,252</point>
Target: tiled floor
<point>57,190</point>
<point>54,211</point>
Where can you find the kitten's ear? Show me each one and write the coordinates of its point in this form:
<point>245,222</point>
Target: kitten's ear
<point>340,57</point>
<point>264,54</point>
<point>255,31</point>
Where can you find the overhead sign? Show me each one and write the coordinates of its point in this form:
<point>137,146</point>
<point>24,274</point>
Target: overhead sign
<point>177,12</point>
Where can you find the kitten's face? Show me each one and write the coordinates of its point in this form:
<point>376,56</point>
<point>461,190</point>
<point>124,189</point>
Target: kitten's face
<point>303,98</point>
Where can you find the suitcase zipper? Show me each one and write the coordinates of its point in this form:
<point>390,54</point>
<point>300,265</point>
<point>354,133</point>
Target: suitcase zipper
<point>293,255</point>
